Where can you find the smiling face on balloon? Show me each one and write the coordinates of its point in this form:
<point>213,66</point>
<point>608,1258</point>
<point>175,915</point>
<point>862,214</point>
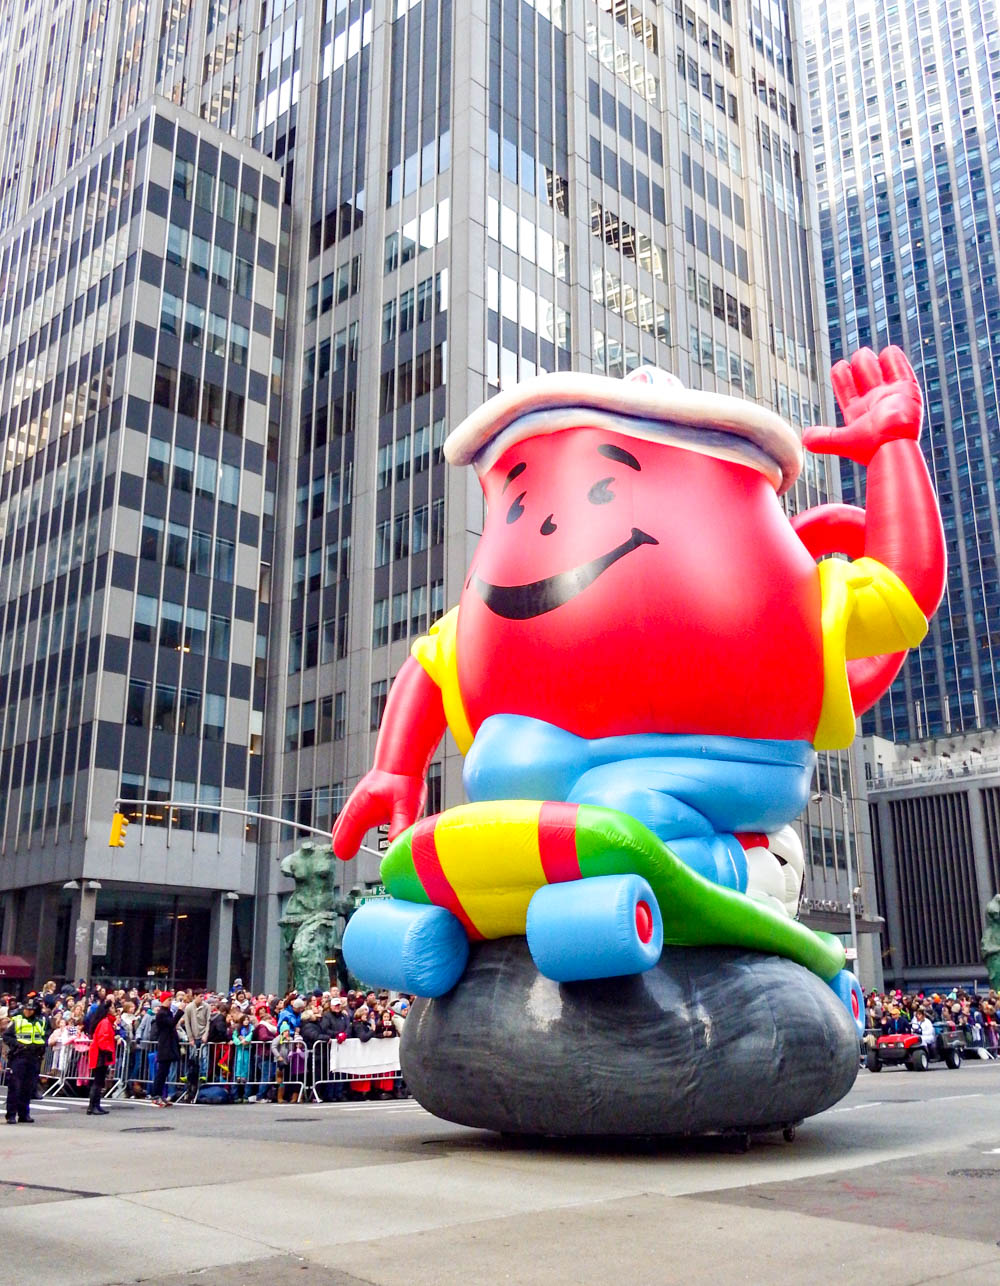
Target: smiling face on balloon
<point>624,584</point>
<point>539,524</point>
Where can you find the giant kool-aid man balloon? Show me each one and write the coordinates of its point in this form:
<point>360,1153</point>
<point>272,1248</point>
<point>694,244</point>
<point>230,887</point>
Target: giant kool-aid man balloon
<point>645,633</point>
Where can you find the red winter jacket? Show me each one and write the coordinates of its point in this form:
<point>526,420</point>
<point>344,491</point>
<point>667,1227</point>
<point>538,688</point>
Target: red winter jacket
<point>103,1039</point>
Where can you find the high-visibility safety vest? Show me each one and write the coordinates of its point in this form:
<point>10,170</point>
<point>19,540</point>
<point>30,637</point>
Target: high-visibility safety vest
<point>28,1032</point>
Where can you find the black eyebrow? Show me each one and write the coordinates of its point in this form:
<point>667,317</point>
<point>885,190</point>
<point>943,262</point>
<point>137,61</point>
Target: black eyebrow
<point>623,457</point>
<point>516,472</point>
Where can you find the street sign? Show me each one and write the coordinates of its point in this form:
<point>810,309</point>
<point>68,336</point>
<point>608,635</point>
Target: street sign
<point>100,937</point>
<point>383,838</point>
<point>372,894</point>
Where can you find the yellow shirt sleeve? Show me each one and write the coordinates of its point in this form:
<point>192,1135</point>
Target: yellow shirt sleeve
<point>435,652</point>
<point>866,611</point>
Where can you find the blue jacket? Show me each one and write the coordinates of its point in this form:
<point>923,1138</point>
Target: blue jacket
<point>288,1020</point>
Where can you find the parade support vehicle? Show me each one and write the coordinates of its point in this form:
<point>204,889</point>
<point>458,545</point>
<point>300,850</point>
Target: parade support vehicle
<point>908,1049</point>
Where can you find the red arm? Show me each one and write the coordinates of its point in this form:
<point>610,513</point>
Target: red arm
<point>394,790</point>
<point>901,526</point>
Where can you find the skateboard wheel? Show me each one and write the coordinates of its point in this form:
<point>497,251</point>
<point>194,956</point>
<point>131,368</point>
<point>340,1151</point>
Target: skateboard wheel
<point>847,987</point>
<point>406,946</point>
<point>607,926</point>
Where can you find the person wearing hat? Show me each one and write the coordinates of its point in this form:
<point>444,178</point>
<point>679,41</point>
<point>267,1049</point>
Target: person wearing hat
<point>25,1037</point>
<point>335,1020</point>
<point>643,629</point>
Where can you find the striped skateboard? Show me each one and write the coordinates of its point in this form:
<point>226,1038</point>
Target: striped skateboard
<point>594,891</point>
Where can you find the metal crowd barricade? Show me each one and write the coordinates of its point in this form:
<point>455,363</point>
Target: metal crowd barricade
<point>65,1070</point>
<point>219,1064</point>
<point>119,1068</point>
<point>363,1064</point>
<point>251,1068</point>
<point>136,1070</point>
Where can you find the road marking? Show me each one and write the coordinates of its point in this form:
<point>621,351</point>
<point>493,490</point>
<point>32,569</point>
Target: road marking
<point>366,1107</point>
<point>946,1098</point>
<point>858,1107</point>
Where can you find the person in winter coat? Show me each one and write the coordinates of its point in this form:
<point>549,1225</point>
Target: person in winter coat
<point>288,1052</point>
<point>242,1038</point>
<point>218,1040</point>
<point>363,1026</point>
<point>197,1016</point>
<point>335,1021</point>
<point>310,1028</point>
<point>101,1056</point>
<point>291,1016</point>
<point>168,1047</point>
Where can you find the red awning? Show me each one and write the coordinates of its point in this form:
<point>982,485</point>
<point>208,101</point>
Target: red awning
<point>15,967</point>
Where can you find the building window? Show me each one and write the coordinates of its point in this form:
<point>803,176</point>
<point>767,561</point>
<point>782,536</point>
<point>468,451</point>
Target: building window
<point>145,619</point>
<point>165,386</point>
<point>170,314</point>
<point>376,709</point>
<point>435,793</point>
<point>183,178</point>
<point>214,717</point>
<point>137,704</point>
<point>380,622</point>
<point>307,726</point>
<point>292,728</point>
<point>219,632</point>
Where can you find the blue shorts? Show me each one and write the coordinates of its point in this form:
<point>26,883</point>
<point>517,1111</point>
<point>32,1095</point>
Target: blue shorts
<point>693,792</point>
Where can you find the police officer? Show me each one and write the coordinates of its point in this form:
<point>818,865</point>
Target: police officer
<point>25,1038</point>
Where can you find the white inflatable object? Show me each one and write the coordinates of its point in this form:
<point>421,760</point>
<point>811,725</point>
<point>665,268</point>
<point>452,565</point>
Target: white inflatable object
<point>775,873</point>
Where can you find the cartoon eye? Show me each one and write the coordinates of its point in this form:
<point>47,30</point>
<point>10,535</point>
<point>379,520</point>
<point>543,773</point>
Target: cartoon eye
<point>599,493</point>
<point>516,509</point>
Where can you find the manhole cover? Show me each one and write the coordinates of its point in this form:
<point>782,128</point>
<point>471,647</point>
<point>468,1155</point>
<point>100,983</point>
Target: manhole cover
<point>973,1174</point>
<point>146,1129</point>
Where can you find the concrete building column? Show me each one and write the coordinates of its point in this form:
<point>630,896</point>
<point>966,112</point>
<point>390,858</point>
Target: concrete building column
<point>9,935</point>
<point>82,934</point>
<point>270,966</point>
<point>980,849</point>
<point>220,943</point>
<point>892,911</point>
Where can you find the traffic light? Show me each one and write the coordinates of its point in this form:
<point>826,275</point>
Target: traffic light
<point>119,825</point>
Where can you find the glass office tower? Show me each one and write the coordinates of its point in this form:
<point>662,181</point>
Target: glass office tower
<point>904,98</point>
<point>468,197</point>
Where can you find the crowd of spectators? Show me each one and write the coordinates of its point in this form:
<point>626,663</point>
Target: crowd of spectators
<point>185,1045</point>
<point>973,1014</point>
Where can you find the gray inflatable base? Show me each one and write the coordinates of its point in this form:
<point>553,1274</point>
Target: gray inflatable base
<point>710,1040</point>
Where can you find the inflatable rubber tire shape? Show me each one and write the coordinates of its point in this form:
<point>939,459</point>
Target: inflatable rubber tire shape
<point>845,984</point>
<point>608,926</point>
<point>406,946</point>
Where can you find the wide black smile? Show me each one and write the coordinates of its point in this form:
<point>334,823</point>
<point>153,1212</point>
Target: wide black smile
<point>522,602</point>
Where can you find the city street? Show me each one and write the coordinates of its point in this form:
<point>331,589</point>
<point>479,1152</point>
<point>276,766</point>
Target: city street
<point>900,1182</point>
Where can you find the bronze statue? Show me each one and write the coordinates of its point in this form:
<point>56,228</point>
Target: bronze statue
<point>991,941</point>
<point>309,925</point>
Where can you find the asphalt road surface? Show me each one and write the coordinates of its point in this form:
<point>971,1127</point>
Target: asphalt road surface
<point>898,1184</point>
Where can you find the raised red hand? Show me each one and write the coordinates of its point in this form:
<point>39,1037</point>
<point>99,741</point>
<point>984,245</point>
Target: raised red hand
<point>879,398</point>
<point>394,790</point>
<point>378,797</point>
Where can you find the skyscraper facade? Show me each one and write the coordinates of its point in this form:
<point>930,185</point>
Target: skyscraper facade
<point>904,118</point>
<point>141,296</point>
<point>467,197</point>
